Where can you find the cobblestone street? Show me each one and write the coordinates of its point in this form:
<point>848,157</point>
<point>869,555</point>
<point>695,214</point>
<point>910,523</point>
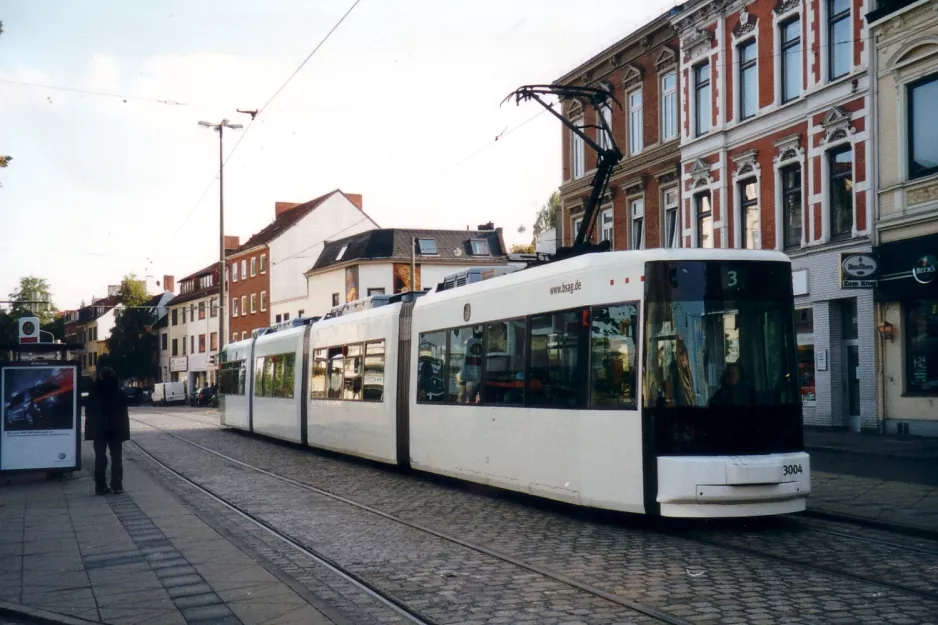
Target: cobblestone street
<point>519,560</point>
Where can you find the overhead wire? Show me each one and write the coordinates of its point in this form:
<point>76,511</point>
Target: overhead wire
<point>106,94</point>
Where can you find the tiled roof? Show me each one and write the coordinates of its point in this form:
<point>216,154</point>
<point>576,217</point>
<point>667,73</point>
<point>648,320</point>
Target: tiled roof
<point>98,308</point>
<point>394,244</point>
<point>284,220</point>
<point>197,293</point>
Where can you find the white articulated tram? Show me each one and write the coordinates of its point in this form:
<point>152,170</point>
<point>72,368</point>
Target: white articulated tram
<point>660,382</point>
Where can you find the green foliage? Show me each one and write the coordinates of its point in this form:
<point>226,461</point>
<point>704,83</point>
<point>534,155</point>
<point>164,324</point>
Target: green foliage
<point>547,216</point>
<point>519,248</point>
<point>132,345</point>
<point>33,289</point>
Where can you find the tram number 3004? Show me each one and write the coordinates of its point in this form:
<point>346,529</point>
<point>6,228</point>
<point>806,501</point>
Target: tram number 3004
<point>792,469</point>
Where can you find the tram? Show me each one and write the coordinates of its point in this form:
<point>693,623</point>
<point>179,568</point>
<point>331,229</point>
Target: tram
<point>660,382</point>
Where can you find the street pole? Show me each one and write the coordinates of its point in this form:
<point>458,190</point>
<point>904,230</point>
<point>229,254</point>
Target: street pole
<point>222,291</point>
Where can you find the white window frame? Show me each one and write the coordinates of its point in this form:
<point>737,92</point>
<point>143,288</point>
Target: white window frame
<point>738,234</point>
<point>827,46</point>
<point>263,264</point>
<point>666,208</point>
<point>244,269</point>
<point>695,111</point>
<point>235,306</point>
<point>696,240</point>
<point>779,22</point>
<point>234,271</point>
<point>577,152</point>
<point>637,204</point>
<point>575,222</point>
<point>253,303</point>
<point>738,78</point>
<point>665,94</point>
<point>604,139</point>
<point>244,305</point>
<point>253,266</point>
<point>263,301</point>
<point>602,226</point>
<point>636,118</point>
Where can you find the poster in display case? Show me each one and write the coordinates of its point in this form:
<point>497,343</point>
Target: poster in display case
<point>39,416</point>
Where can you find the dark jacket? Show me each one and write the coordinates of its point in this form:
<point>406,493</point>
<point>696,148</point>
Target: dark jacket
<point>106,415</point>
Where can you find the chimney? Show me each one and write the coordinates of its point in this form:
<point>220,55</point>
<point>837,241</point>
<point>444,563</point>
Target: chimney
<point>282,207</point>
<point>169,283</point>
<point>488,226</point>
<point>356,199</point>
<point>231,244</point>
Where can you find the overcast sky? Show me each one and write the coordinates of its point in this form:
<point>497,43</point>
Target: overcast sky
<point>400,105</point>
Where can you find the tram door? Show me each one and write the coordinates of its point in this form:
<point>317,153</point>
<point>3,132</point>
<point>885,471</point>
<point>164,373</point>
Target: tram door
<point>851,359</point>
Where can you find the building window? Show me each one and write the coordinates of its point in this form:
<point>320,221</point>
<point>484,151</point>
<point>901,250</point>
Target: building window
<point>234,337</point>
<point>185,346</point>
<point>749,212</point>
<point>791,205</point>
<point>605,136</point>
<point>669,108</point>
<point>479,247</point>
<point>163,340</point>
<point>244,335</point>
<point>702,98</point>
<point>341,253</point>
<point>244,305</point>
<point>672,221</point>
<point>804,328</point>
<point>175,347</point>
<point>427,246</point>
<point>606,225</point>
<point>300,313</point>
<point>704,220</point>
<point>577,151</point>
<point>921,346</point>
<point>263,263</point>
<point>922,131</point>
<point>791,59</point>
<point>577,223</point>
<point>234,306</point>
<point>244,269</point>
<point>637,210</point>
<point>234,271</point>
<point>213,341</point>
<point>201,343</point>
<point>335,299</point>
<point>635,122</point>
<point>375,292</point>
<point>213,308</point>
<point>253,303</point>
<point>748,80</point>
<point>192,343</point>
<point>201,311</point>
<point>279,318</point>
<point>286,316</point>
<point>263,301</point>
<point>840,161</point>
<point>839,39</point>
<point>174,315</point>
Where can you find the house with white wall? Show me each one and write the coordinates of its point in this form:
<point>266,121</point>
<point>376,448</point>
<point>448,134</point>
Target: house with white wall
<point>378,262</point>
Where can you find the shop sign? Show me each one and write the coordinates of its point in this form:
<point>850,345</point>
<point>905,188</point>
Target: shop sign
<point>858,271</point>
<point>179,363</point>
<point>925,270</point>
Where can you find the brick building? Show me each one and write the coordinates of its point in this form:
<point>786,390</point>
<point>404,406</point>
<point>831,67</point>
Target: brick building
<point>775,140</point>
<point>249,285</point>
<point>641,206</point>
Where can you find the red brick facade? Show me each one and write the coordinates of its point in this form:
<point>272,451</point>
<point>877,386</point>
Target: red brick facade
<point>255,283</point>
<point>640,61</point>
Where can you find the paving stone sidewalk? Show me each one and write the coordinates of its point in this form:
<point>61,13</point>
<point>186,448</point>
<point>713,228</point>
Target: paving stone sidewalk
<point>882,479</point>
<point>138,557</point>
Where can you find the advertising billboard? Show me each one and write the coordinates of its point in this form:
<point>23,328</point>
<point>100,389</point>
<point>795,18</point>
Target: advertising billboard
<point>39,416</point>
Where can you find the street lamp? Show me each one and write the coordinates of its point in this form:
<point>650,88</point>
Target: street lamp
<point>222,294</point>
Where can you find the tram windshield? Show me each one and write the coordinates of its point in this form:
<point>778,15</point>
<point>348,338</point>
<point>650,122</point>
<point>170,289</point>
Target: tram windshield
<point>720,373</point>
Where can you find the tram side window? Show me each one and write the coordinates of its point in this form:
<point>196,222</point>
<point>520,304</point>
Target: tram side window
<point>613,355</point>
<point>231,378</point>
<point>374,371</point>
<point>430,360</point>
<point>464,373</point>
<point>317,382</point>
<point>353,373</point>
<point>555,343</point>
<point>504,363</point>
<point>275,376</point>
<point>336,373</point>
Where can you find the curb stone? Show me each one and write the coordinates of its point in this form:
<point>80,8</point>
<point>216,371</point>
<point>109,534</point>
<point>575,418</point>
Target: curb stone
<point>35,615</point>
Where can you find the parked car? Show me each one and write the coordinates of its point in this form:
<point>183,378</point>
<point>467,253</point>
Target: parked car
<point>205,396</point>
<point>134,395</point>
<point>168,393</point>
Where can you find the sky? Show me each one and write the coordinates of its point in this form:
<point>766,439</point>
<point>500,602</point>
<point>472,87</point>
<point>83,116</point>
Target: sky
<point>401,105</point>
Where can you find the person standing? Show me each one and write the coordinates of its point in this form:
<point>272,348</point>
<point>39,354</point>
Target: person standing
<point>107,424</point>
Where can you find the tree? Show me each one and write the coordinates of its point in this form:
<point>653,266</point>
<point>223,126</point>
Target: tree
<point>547,216</point>
<point>33,289</point>
<point>522,248</point>
<point>133,344</point>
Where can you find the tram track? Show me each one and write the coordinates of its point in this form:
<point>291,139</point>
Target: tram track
<point>398,605</point>
<point>803,526</point>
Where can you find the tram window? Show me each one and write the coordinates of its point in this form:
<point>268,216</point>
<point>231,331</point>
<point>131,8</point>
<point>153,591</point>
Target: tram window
<point>612,355</point>
<point>464,374</point>
<point>288,368</point>
<point>504,363</point>
<point>336,363</point>
<point>353,373</point>
<point>374,371</point>
<point>554,375</point>
<point>231,378</point>
<point>317,382</point>
<point>430,360</point>
<point>261,381</point>
<point>275,376</point>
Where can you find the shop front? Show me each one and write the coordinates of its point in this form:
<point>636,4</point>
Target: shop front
<point>907,300</point>
<point>834,322</point>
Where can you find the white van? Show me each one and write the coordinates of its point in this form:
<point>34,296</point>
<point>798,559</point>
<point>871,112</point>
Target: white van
<point>168,393</point>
